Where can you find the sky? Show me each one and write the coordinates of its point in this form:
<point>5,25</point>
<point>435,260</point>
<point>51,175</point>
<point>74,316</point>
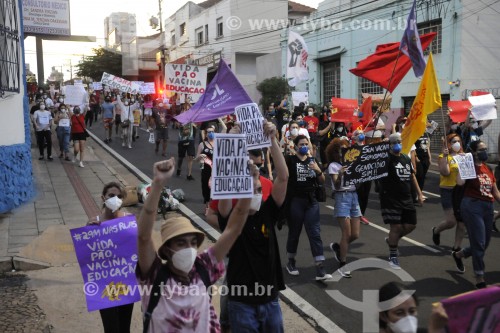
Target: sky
<point>87,19</point>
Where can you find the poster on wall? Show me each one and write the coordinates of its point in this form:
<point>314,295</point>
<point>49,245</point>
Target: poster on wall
<point>47,17</point>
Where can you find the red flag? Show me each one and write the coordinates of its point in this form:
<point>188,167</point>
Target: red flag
<point>366,108</point>
<point>479,93</point>
<point>458,110</point>
<point>379,66</point>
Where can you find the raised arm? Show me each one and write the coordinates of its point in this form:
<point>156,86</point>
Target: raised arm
<point>281,180</point>
<point>162,172</point>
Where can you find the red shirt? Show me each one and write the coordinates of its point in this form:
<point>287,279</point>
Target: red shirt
<point>267,188</point>
<point>481,187</point>
<point>77,124</point>
<point>312,124</point>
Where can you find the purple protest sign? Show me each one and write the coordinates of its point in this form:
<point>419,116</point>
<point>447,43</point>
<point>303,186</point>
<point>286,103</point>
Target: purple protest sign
<point>107,255</point>
<point>222,95</point>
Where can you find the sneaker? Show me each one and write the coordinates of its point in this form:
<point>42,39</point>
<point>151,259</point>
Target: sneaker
<point>50,158</point>
<point>130,146</point>
<point>458,262</point>
<point>364,220</point>
<point>321,274</point>
<point>67,158</point>
<point>290,267</point>
<point>335,247</point>
<point>123,144</point>
<point>344,272</point>
<point>106,141</point>
<point>81,165</point>
<point>40,158</point>
<point>394,263</point>
<point>190,177</point>
<point>481,285</point>
<point>436,237</point>
<point>73,160</point>
<point>178,172</point>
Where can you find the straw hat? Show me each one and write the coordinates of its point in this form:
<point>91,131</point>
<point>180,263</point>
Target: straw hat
<point>177,226</point>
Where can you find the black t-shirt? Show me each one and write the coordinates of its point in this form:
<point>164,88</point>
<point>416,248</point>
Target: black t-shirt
<point>254,258</point>
<point>326,138</point>
<point>301,180</point>
<point>422,145</point>
<point>395,191</point>
<point>470,135</point>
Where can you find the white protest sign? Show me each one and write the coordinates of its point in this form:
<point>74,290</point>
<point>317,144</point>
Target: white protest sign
<point>115,82</point>
<point>432,128</point>
<point>231,178</point>
<point>148,88</point>
<point>483,107</point>
<point>186,79</point>
<point>74,95</point>
<point>78,82</point>
<point>250,119</point>
<point>97,85</point>
<point>300,96</point>
<point>465,166</point>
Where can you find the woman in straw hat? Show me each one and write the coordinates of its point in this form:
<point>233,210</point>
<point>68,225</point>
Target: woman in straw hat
<point>184,303</point>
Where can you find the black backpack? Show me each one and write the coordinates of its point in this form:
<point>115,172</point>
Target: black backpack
<point>162,276</point>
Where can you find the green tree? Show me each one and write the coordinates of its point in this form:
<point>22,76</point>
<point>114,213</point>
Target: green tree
<point>272,90</point>
<point>102,61</point>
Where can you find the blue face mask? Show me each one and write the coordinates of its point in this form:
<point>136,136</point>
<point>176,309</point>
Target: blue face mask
<point>360,114</point>
<point>397,147</point>
<point>211,135</point>
<point>361,137</point>
<point>482,155</point>
<point>302,123</point>
<point>303,150</point>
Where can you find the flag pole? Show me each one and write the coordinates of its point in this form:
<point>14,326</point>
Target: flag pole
<point>376,117</point>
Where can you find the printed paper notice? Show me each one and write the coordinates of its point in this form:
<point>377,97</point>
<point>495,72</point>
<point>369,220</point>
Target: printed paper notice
<point>465,166</point>
<point>231,178</point>
<point>250,119</point>
<point>483,107</point>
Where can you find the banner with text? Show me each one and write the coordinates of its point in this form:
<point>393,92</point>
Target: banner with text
<point>250,119</point>
<point>465,165</point>
<point>74,95</point>
<point>96,85</point>
<point>186,79</point>
<point>343,109</point>
<point>148,88</point>
<point>365,163</point>
<point>50,17</point>
<point>476,311</point>
<point>231,178</point>
<point>115,82</point>
<point>107,255</point>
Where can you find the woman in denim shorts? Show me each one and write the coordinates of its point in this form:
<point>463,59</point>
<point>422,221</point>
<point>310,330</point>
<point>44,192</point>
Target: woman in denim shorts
<point>347,210</point>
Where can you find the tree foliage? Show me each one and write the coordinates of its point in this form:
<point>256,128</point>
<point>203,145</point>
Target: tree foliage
<point>272,90</point>
<point>103,60</point>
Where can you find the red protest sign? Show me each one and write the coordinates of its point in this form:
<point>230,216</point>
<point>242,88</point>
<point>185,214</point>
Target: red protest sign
<point>458,110</point>
<point>343,109</point>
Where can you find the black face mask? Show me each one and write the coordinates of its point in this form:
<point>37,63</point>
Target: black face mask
<point>259,165</point>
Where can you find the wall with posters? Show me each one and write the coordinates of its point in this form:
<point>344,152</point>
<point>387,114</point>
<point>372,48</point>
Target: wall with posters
<point>15,140</point>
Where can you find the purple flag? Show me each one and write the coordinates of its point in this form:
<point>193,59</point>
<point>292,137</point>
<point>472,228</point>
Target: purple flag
<point>107,255</point>
<point>221,97</point>
<point>410,44</point>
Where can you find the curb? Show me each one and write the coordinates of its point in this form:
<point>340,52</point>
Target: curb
<point>24,264</point>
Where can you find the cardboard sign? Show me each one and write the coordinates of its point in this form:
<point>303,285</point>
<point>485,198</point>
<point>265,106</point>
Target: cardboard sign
<point>97,85</point>
<point>476,311</point>
<point>231,178</point>
<point>186,79</point>
<point>458,110</point>
<point>107,255</point>
<point>148,88</point>
<point>74,95</point>
<point>465,166</point>
<point>250,119</point>
<point>483,107</point>
<point>115,82</point>
<point>365,163</point>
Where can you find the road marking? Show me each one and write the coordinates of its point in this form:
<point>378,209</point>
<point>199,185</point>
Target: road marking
<point>332,208</point>
<point>409,240</point>
<point>433,194</point>
<point>293,299</point>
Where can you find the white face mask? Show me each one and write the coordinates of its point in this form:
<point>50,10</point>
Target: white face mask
<point>184,259</point>
<point>126,103</point>
<point>42,107</point>
<point>294,132</point>
<point>455,147</point>
<point>256,201</point>
<point>113,203</point>
<point>475,125</point>
<point>406,324</point>
<point>310,113</point>
<point>60,100</point>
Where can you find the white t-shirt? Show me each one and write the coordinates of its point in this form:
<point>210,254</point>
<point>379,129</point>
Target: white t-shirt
<point>42,119</point>
<point>333,169</point>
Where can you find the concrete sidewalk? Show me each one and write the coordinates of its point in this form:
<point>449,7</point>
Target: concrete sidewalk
<point>35,242</point>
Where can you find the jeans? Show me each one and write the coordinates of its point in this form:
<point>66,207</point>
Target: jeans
<point>63,135</point>
<point>304,212</point>
<point>478,218</point>
<point>250,318</point>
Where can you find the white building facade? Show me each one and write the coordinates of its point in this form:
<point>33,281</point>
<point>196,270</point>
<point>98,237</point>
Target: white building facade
<point>342,32</point>
<point>119,28</point>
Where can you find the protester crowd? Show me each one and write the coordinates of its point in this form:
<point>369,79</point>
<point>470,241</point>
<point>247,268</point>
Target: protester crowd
<point>306,152</point>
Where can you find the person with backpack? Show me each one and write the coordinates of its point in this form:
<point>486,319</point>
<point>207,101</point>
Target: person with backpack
<point>180,287</point>
<point>396,202</point>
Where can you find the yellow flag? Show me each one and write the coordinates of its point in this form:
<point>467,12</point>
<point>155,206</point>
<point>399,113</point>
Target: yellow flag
<point>427,101</point>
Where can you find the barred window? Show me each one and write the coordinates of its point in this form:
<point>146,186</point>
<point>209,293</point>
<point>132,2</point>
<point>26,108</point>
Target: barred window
<point>432,26</point>
<point>331,80</point>
<point>368,87</point>
<point>9,50</point>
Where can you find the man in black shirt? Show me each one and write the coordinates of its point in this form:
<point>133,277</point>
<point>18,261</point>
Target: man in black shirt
<point>396,202</point>
<point>254,274</point>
